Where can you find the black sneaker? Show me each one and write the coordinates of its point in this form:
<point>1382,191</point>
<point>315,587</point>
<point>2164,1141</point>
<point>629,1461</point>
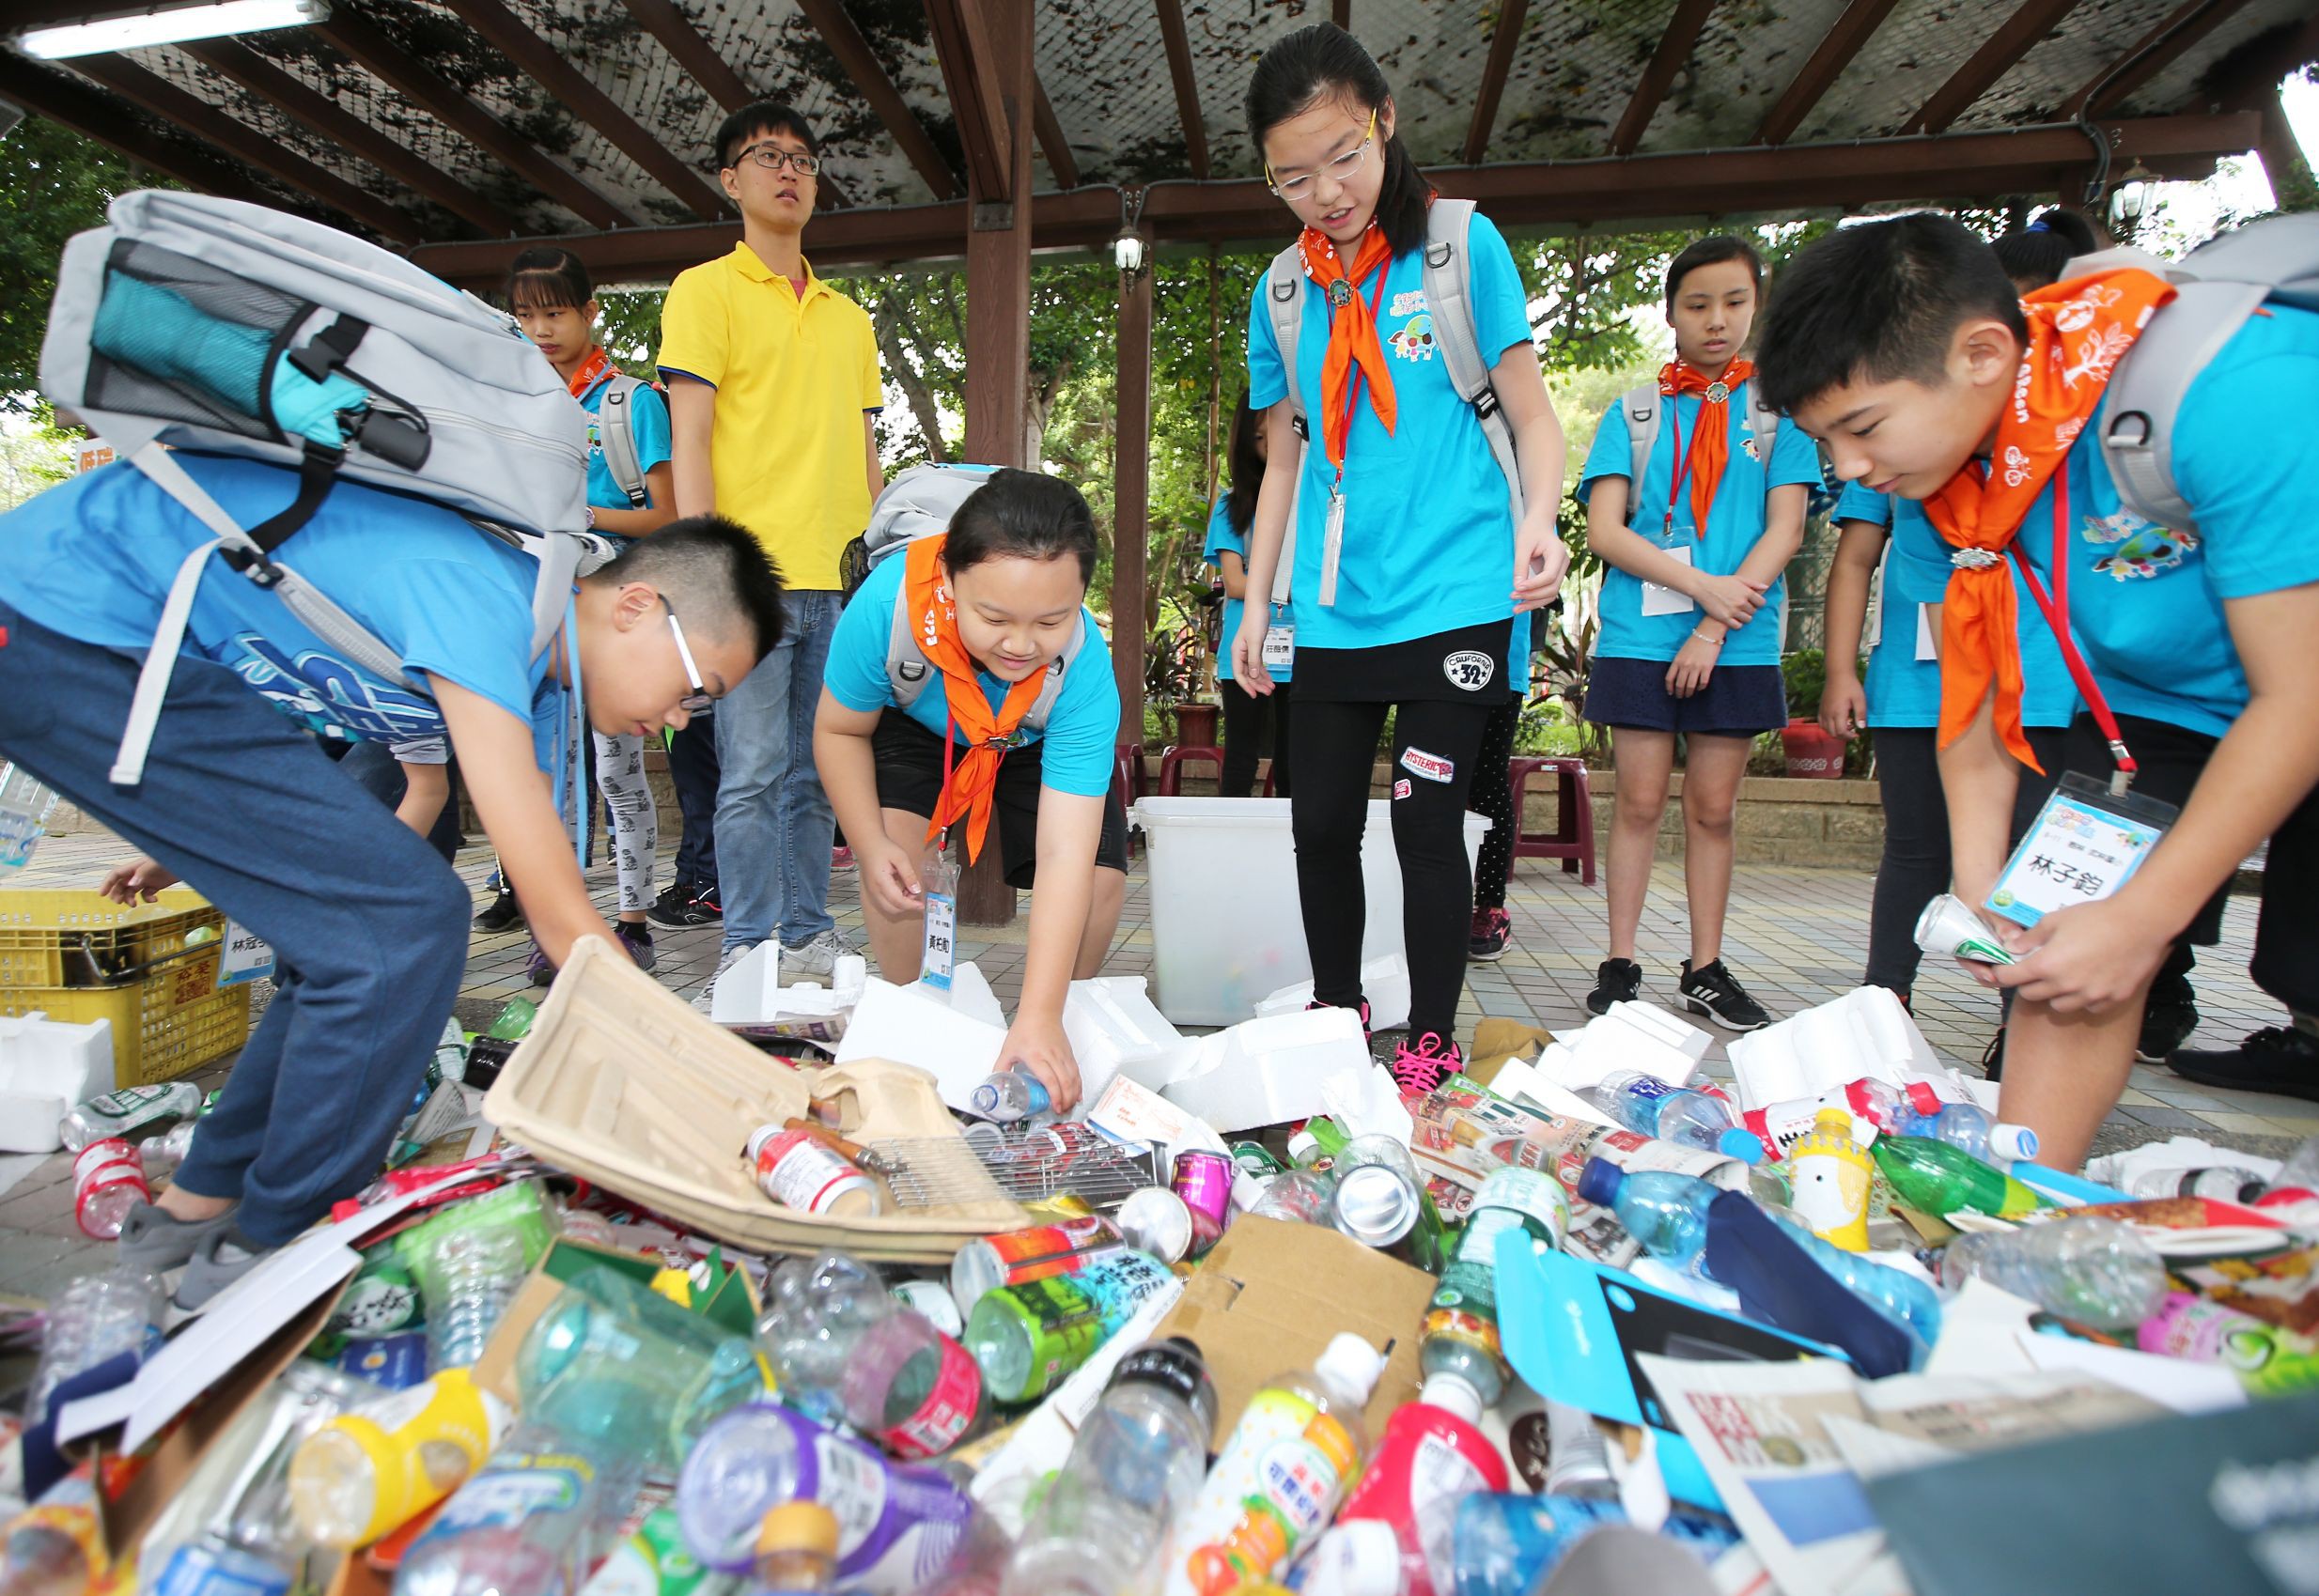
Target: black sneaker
<point>1490,934</point>
<point>499,914</point>
<point>1713,991</point>
<point>2278,1057</point>
<point>1993,1056</point>
<point>1616,981</point>
<point>667,911</point>
<point>2168,1017</point>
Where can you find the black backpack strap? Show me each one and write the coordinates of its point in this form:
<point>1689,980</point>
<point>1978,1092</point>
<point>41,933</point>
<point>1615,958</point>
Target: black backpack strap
<point>318,473</point>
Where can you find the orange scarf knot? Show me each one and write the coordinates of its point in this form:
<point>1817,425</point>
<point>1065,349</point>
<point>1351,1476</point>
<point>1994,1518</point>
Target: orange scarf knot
<point>967,789</point>
<point>1710,449</point>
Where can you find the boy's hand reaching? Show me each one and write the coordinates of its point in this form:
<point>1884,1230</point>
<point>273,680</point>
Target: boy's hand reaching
<point>888,875</point>
<point>140,880</point>
<point>2089,957</point>
<point>1039,1046</point>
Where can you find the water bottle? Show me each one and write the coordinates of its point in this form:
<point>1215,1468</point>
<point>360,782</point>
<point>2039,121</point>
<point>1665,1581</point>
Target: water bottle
<point>898,1525</point>
<point>1969,1128</point>
<point>1461,1322</point>
<point>1011,1094</point>
<point>845,1349</point>
<point>95,1319</point>
<point>117,1113</point>
<point>513,1022</point>
<point>1135,1468</point>
<point>1301,1196</point>
<point>797,1551</point>
<point>1509,1545</point>
<point>368,1472</point>
<point>1664,1211</point>
<point>25,802</point>
<point>2098,1273</point>
<point>1941,1180</point>
<point>108,1180</point>
<point>2223,1182</point>
<point>1899,1294</point>
<point>1357,1557</point>
<point>1650,1106</point>
<point>469,1260</point>
<point>1578,1454</point>
<point>535,1518</point>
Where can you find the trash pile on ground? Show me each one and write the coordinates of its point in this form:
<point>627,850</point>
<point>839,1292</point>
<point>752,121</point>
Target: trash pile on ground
<point>639,1308</point>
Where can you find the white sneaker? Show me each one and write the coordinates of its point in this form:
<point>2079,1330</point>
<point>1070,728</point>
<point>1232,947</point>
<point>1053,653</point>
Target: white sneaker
<point>815,960</point>
<point>726,961</point>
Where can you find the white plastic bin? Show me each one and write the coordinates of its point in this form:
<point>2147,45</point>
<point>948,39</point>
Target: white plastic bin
<point>1225,928</point>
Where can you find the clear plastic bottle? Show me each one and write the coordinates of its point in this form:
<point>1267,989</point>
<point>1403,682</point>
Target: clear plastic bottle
<point>118,1113</point>
<point>468,1261</point>
<point>2299,1174</point>
<point>2098,1273</point>
<point>535,1518</point>
<point>41,1561</point>
<point>1461,1323</point>
<point>371,1471</point>
<point>1665,1211</point>
<point>1969,1128</point>
<point>1302,1196</point>
<point>26,801</point>
<point>845,1349</point>
<point>2225,1182</point>
<point>1650,1106</point>
<point>797,1551</point>
<point>1898,1293</point>
<point>1011,1094</point>
<point>96,1318</point>
<point>1136,1467</point>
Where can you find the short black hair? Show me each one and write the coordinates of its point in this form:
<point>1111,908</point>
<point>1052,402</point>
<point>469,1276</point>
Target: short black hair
<point>1713,250</point>
<point>1315,63</point>
<point>1024,514</point>
<point>549,277</point>
<point>762,116</point>
<point>1880,299</point>
<point>2041,252</point>
<point>714,573</point>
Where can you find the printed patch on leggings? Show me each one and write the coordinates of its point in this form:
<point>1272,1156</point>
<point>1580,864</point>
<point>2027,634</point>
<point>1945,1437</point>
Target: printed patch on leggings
<point>1401,788</point>
<point>1469,669</point>
<point>1417,762</point>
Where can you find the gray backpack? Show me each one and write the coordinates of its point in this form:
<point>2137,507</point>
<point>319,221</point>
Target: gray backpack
<point>1643,406</point>
<point>1449,300</point>
<point>226,328</point>
<point>616,416</point>
<point>2218,286</point>
<point>919,504</point>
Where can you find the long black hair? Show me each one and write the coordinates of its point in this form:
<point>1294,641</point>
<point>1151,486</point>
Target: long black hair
<point>1321,62</point>
<point>1026,514</point>
<point>1247,466</point>
<point>549,277</point>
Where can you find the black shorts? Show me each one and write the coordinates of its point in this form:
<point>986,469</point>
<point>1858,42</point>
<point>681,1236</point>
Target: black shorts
<point>909,778</point>
<point>1738,700</point>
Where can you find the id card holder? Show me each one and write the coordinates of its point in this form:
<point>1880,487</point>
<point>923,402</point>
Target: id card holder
<point>1279,643</point>
<point>1657,600</point>
<point>1332,549</point>
<point>937,881</point>
<point>2085,844</point>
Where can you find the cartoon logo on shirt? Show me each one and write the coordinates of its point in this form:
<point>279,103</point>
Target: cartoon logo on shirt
<point>1415,339</point>
<point>1751,447</point>
<point>2144,548</point>
<point>596,435</point>
<point>330,697</point>
<point>1469,669</point>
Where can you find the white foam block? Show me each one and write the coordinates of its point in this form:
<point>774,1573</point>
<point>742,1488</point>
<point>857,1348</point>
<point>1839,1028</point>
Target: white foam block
<point>47,1066</point>
<point>1265,1072</point>
<point>1632,1036</point>
<point>911,1025</point>
<point>1864,1034</point>
<point>1114,1029</point>
<point>751,992</point>
<point>1385,981</point>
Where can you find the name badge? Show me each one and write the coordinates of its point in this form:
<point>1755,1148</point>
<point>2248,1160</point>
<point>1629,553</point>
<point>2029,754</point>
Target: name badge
<point>937,881</point>
<point>1280,646</point>
<point>1657,600</point>
<point>2086,843</point>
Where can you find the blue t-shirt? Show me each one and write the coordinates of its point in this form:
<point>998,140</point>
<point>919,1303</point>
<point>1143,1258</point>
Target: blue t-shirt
<point>2146,602</point>
<point>1428,531</point>
<point>93,559</point>
<point>1734,524</point>
<point>1082,734</point>
<point>1903,690</point>
<point>648,418</point>
<point>1223,538</point>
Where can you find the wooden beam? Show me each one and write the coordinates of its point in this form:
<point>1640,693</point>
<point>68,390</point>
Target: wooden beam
<point>1177,44</point>
<point>209,123</point>
<point>421,85</point>
<point>1132,497</point>
<point>1052,144</point>
<point>576,92</point>
<point>1675,48</point>
<point>331,120</point>
<point>1836,49</point>
<point>2014,38</point>
<point>2159,47</point>
<point>977,102</point>
<point>1341,13</point>
<point>700,59</point>
<point>1505,38</point>
<point>71,103</point>
<point>872,82</point>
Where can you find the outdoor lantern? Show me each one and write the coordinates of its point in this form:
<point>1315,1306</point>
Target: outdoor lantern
<point>167,24</point>
<point>1130,252</point>
<point>2132,197</point>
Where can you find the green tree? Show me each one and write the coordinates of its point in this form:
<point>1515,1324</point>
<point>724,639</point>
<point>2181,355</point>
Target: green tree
<point>54,184</point>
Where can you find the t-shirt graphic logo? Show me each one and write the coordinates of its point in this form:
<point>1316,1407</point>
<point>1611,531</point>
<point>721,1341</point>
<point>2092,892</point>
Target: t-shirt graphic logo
<point>2142,548</point>
<point>1469,669</point>
<point>331,696</point>
<point>1415,339</point>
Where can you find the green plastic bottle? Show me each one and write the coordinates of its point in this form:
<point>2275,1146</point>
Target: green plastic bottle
<point>515,1021</point>
<point>1935,1178</point>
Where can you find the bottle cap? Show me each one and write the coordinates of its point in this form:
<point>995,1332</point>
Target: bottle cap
<point>1364,1554</point>
<point>1452,1394</point>
<point>2011,1143</point>
<point>1173,1365</point>
<point>1598,1183</point>
<point>798,1527</point>
<point>1303,1145</point>
<point>1351,1363</point>
<point>1745,1146</point>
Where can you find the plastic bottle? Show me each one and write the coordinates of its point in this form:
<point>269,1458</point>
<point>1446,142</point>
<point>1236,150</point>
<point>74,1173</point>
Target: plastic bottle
<point>1461,1322</point>
<point>1650,1106</point>
<point>1301,1196</point>
<point>1277,1481</point>
<point>26,801</point>
<point>1898,1293</point>
<point>1008,1095</point>
<point>42,1560</point>
<point>1430,1457</point>
<point>1829,1177</point>
<point>1357,1558</point>
<point>2269,1361</point>
<point>95,1319</point>
<point>797,1550</point>
<point>845,1349</point>
<point>537,1517</point>
<point>1971,1128</point>
<point>2298,1180</point>
<point>1135,1468</point>
<point>118,1113</point>
<point>108,1180</point>
<point>1666,1212</point>
<point>2095,1272</point>
<point>513,1022</point>
<point>1510,1545</point>
<point>371,1471</point>
<point>1941,1180</point>
<point>2223,1183</point>
<point>468,1259</point>
<point>1578,1454</point>
<point>898,1526</point>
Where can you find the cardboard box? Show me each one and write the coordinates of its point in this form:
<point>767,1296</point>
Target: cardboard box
<point>1274,1293</point>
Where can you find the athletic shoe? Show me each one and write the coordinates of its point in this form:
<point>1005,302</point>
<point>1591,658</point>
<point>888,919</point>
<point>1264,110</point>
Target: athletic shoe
<point>1713,991</point>
<point>223,1256</point>
<point>1616,981</point>
<point>841,859</point>
<point>816,957</point>
<point>1993,1056</point>
<point>153,1239</point>
<point>637,941</point>
<point>1491,934</point>
<point>2278,1057</point>
<point>501,914</point>
<point>1422,1063</point>
<point>538,968</point>
<point>2168,1017</point>
<point>726,961</point>
<point>672,910</point>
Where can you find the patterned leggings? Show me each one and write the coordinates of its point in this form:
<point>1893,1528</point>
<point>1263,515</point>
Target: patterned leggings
<point>1493,796</point>
<point>635,824</point>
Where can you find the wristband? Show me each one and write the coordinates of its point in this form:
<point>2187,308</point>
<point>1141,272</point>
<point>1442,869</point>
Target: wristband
<point>1711,641</point>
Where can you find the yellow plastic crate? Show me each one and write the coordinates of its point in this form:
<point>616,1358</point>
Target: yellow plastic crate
<point>169,1022</point>
<point>43,931</point>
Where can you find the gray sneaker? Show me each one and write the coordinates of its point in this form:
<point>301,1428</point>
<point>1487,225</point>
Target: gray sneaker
<point>726,961</point>
<point>814,960</point>
<point>153,1238</point>
<point>224,1257</point>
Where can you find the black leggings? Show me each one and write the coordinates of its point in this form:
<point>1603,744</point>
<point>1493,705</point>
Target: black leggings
<point>1493,797</point>
<point>1433,749</point>
<point>1245,717</point>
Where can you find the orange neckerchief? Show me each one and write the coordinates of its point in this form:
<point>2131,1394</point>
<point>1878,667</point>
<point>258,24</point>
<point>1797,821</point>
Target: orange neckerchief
<point>2078,331</point>
<point>591,369</point>
<point>1352,335</point>
<point>1710,432</point>
<point>967,789</point>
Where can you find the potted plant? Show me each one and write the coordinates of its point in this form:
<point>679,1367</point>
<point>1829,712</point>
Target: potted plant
<point>1811,751</point>
<point>1174,670</point>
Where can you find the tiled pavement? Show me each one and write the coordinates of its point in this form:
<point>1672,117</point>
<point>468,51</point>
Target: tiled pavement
<point>1796,936</point>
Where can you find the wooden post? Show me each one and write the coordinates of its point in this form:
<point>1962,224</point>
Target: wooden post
<point>998,339</point>
<point>1131,499</point>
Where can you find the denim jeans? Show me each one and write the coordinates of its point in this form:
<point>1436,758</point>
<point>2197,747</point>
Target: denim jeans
<point>368,925</point>
<point>773,821</point>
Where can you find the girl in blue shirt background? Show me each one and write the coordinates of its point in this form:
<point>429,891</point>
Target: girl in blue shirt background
<point>1246,715</point>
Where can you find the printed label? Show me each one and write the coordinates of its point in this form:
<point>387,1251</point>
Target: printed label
<point>513,1489</point>
<point>245,958</point>
<point>946,1411</point>
<point>1432,767</point>
<point>1279,646</point>
<point>1469,669</point>
<point>851,1484</point>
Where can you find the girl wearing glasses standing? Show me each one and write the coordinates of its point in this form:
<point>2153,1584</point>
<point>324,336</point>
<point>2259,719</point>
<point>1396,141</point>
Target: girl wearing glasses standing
<point>1408,566</point>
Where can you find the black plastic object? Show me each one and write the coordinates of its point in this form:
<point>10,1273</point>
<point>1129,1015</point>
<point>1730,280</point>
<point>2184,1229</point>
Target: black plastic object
<point>1781,1284</point>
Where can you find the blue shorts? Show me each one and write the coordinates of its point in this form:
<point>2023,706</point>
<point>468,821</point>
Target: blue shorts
<point>1738,700</point>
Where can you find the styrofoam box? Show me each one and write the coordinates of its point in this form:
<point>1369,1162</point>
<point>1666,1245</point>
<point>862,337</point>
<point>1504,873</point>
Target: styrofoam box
<point>1225,928</point>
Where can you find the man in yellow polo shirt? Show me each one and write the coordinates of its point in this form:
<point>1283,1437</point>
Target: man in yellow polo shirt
<point>773,392</point>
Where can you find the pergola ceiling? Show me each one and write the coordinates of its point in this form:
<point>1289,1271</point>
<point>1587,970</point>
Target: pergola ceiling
<point>460,122</point>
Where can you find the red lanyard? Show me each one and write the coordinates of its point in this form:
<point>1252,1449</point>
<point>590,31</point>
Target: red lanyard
<point>1676,483</point>
<point>2055,606</point>
<point>1352,394</point>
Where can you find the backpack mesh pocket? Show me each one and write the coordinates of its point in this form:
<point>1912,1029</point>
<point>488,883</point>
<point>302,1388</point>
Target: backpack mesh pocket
<point>184,341</point>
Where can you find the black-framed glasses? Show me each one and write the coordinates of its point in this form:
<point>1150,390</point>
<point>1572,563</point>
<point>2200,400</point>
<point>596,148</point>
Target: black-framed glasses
<point>699,700</point>
<point>774,158</point>
<point>1340,167</point>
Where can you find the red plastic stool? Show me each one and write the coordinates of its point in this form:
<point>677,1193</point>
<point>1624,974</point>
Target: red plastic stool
<point>1172,763</point>
<point>1572,840</point>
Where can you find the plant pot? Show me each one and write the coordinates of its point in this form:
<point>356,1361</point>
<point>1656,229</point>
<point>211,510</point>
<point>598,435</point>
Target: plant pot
<point>1196,724</point>
<point>1811,751</point>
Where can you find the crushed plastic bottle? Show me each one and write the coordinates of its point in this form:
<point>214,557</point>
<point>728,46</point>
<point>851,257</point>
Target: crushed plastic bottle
<point>132,1109</point>
<point>1650,1106</point>
<point>95,1319</point>
<point>371,1471</point>
<point>846,1350</point>
<point>1665,1211</point>
<point>468,1259</point>
<point>535,1518</point>
<point>2096,1272</point>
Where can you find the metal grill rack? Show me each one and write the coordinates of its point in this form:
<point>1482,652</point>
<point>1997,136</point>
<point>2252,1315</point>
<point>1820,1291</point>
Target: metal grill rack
<point>1022,1164</point>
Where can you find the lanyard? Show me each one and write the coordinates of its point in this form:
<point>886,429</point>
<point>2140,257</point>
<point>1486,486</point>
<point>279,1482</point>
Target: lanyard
<point>2055,606</point>
<point>1352,394</point>
<point>1675,484</point>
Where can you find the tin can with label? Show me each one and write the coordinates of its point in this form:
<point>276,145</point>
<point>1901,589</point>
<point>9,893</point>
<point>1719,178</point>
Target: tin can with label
<point>1027,1338</point>
<point>1157,1221</point>
<point>1014,1257</point>
<point>1204,1181</point>
<point>799,1171</point>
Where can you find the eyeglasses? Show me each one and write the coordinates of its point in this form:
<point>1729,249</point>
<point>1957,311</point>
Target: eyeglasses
<point>1341,169</point>
<point>699,700</point>
<point>774,158</point>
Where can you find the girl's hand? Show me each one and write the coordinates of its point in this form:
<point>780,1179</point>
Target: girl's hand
<point>888,875</point>
<point>1728,601</point>
<point>1540,559</point>
<point>1248,651</point>
<point>1844,707</point>
<point>139,878</point>
<point>1693,664</point>
<point>1037,1044</point>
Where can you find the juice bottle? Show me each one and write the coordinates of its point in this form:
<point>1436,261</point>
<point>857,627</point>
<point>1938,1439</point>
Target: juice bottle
<point>1430,1458</point>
